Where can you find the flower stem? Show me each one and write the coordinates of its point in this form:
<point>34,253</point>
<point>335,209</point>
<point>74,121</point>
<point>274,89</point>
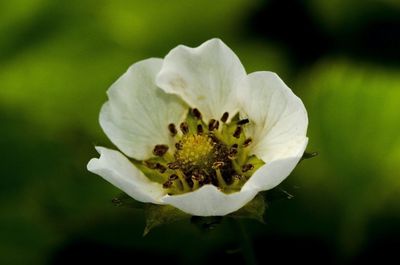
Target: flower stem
<point>246,245</point>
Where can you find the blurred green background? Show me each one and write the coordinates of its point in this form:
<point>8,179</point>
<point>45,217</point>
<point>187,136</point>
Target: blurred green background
<point>57,59</point>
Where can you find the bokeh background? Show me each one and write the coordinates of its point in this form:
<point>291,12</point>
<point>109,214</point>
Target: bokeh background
<point>57,59</point>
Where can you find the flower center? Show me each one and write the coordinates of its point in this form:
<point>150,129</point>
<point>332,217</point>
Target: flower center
<point>195,151</point>
<point>204,154</point>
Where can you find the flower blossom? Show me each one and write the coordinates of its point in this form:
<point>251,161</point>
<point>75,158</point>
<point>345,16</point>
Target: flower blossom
<point>197,132</point>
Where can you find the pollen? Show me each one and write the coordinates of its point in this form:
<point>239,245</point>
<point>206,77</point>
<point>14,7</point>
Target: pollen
<point>197,150</point>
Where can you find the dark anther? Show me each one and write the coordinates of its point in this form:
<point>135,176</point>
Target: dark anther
<point>184,127</point>
<point>235,146</point>
<point>150,165</point>
<point>247,167</point>
<point>225,117</point>
<point>243,122</point>
<point>178,145</point>
<point>173,165</point>
<point>160,149</point>
<point>160,168</point>
<point>214,139</point>
<point>172,129</point>
<point>237,177</point>
<point>167,184</point>
<point>197,113</point>
<point>217,164</point>
<point>173,177</point>
<point>247,142</point>
<point>199,129</point>
<point>217,125</point>
<point>237,132</point>
<point>232,153</point>
<point>213,124</point>
<point>198,177</point>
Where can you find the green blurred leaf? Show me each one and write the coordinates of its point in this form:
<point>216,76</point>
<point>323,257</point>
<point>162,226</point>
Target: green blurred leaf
<point>354,121</point>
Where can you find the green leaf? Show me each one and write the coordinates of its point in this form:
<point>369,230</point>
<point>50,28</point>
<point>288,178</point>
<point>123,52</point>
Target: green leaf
<point>157,215</point>
<point>255,209</point>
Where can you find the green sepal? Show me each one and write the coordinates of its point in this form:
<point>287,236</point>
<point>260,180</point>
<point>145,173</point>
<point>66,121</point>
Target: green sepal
<point>124,200</point>
<point>157,215</point>
<point>277,194</point>
<point>206,222</point>
<point>255,209</point>
<point>307,155</point>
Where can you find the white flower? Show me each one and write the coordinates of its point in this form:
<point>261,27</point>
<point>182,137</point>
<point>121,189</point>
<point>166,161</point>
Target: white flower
<point>202,135</point>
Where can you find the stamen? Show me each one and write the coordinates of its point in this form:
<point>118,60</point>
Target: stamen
<point>213,124</point>
<point>172,129</point>
<point>237,177</point>
<point>247,142</point>
<point>237,132</point>
<point>218,164</point>
<point>182,178</point>
<point>167,184</point>
<point>184,127</point>
<point>243,122</point>
<point>225,117</point>
<point>160,149</point>
<point>247,167</point>
<point>197,179</point>
<point>196,183</point>
<point>174,165</point>
<point>160,168</point>
<point>200,129</point>
<point>197,176</point>
<point>236,180</point>
<point>217,125</point>
<point>178,145</point>
<point>214,139</point>
<point>233,152</point>
<point>150,164</point>
<point>173,177</point>
<point>197,114</point>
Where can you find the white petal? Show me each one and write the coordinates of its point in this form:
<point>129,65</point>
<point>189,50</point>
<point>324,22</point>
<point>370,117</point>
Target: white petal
<point>137,115</point>
<point>209,201</point>
<point>119,171</point>
<point>206,77</point>
<point>274,172</point>
<point>278,118</point>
